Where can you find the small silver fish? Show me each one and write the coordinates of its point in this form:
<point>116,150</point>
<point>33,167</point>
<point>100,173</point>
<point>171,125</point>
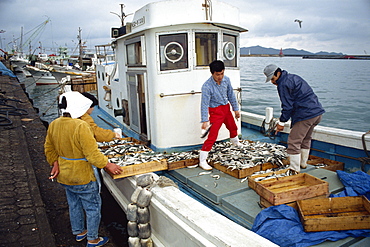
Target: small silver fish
<point>204,173</point>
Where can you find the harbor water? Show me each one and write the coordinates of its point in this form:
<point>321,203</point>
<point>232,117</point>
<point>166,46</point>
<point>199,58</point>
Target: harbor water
<point>343,88</point>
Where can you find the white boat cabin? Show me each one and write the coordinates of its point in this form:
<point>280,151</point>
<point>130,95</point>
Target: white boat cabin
<point>162,58</point>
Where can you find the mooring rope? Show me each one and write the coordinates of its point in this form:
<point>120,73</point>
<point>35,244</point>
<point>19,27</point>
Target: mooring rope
<point>270,132</point>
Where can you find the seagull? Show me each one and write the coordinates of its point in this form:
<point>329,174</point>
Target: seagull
<point>299,22</point>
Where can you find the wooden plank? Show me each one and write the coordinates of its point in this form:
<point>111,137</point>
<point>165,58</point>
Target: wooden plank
<point>334,214</point>
<point>191,162</point>
<point>142,168</point>
<point>267,204</point>
<point>176,165</point>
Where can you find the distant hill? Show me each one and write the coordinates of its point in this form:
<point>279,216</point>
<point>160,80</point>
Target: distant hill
<point>259,50</point>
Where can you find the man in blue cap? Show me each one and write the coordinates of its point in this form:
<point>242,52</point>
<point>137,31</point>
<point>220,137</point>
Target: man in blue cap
<point>300,104</point>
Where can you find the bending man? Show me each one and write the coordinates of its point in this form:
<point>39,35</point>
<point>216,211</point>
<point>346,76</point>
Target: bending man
<point>300,104</point>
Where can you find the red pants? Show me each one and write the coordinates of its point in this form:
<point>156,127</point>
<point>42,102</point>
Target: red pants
<point>218,116</point>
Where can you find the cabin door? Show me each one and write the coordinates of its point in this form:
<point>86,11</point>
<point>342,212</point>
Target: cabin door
<point>137,105</point>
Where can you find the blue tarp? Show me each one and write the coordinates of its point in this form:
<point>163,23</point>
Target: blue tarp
<point>281,224</point>
<point>5,70</point>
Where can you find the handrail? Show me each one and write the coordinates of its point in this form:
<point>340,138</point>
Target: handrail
<point>191,92</point>
<point>177,94</point>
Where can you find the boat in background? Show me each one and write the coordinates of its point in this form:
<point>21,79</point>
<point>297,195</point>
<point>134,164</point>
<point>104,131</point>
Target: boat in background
<point>41,74</point>
<point>19,59</point>
<point>153,92</point>
<point>60,72</point>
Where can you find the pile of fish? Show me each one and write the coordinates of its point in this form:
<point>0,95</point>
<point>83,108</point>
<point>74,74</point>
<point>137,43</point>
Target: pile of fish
<point>319,165</point>
<point>148,156</point>
<point>115,143</point>
<point>173,157</point>
<point>126,152</point>
<point>137,158</point>
<point>119,150</point>
<point>288,172</point>
<point>249,155</point>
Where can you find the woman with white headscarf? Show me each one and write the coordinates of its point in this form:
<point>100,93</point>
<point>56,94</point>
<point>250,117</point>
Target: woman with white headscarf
<point>71,150</point>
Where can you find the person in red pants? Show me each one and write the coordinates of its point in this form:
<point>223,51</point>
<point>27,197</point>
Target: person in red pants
<point>217,96</point>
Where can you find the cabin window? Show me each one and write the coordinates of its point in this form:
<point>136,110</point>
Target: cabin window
<point>205,48</point>
<point>229,50</point>
<point>173,50</point>
<point>134,52</point>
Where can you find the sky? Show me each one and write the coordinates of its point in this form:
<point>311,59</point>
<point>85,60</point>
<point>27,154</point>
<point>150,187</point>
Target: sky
<point>327,25</point>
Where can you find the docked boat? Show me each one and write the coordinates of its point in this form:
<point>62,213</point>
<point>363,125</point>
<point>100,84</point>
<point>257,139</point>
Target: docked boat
<point>41,74</point>
<point>60,72</point>
<point>153,91</point>
<point>19,59</point>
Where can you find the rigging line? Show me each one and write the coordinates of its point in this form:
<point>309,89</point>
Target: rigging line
<point>51,106</point>
<point>34,81</point>
<point>49,91</point>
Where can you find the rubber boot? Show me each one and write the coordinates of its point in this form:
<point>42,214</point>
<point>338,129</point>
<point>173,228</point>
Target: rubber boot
<point>235,141</point>
<point>295,162</point>
<point>203,161</point>
<point>304,157</point>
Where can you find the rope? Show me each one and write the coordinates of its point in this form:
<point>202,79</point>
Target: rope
<point>270,132</point>
<point>6,109</point>
<point>364,160</point>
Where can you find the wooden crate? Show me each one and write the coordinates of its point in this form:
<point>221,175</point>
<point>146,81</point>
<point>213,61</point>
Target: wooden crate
<point>176,165</point>
<point>331,165</point>
<point>142,168</point>
<point>335,214</point>
<point>252,178</point>
<point>265,204</point>
<point>83,83</point>
<point>236,173</point>
<point>292,188</point>
<point>182,164</point>
<point>191,162</point>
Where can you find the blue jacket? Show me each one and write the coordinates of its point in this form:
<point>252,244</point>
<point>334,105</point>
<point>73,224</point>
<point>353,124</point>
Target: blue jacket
<point>298,101</point>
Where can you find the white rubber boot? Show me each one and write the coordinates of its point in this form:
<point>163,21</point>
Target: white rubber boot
<point>304,157</point>
<point>203,161</point>
<point>235,141</point>
<point>295,162</point>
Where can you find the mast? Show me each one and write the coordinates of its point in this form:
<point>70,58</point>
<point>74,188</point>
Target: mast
<point>21,43</point>
<point>80,62</point>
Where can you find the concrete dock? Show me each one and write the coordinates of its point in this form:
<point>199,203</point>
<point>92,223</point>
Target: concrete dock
<point>23,217</point>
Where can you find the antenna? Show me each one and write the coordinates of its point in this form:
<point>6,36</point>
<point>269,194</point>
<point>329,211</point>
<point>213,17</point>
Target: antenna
<point>122,16</point>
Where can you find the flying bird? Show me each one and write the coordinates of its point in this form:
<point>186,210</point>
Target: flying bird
<point>299,22</point>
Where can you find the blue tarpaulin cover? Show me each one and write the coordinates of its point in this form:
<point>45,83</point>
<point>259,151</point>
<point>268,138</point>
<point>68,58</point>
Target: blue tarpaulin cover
<point>281,224</point>
<point>5,70</point>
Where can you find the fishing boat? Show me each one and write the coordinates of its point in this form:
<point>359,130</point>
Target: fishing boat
<point>153,91</point>
<point>41,74</point>
<point>60,72</point>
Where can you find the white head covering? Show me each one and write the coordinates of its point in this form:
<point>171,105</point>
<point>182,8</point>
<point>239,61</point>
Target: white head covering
<point>77,104</point>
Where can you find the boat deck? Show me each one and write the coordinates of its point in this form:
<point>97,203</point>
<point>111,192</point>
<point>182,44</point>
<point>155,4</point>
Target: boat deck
<point>233,198</point>
<point>224,194</point>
